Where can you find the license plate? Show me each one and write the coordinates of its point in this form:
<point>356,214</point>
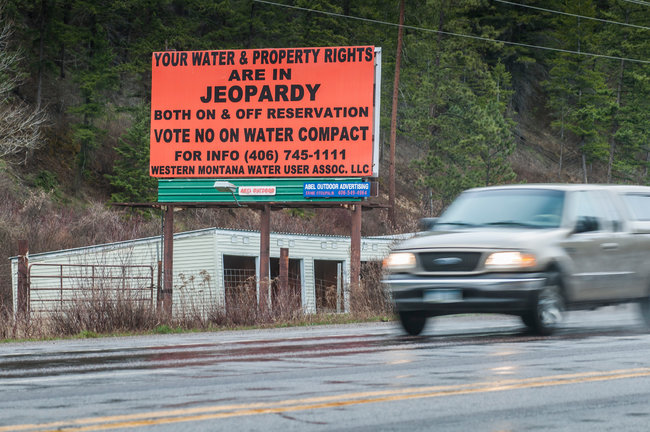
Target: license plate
<point>442,296</point>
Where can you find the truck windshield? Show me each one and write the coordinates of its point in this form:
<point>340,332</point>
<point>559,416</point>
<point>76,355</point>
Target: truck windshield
<point>517,208</point>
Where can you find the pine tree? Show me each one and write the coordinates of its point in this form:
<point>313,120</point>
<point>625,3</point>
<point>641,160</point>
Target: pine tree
<point>131,178</point>
<point>630,128</point>
<point>455,104</point>
<point>580,100</point>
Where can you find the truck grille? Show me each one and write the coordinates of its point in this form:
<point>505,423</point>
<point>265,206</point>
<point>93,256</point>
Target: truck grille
<point>449,261</point>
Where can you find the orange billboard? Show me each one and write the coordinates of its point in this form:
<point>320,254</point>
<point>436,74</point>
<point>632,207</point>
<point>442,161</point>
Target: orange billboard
<point>286,112</point>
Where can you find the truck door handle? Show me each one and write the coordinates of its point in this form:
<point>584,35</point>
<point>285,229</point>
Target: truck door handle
<point>609,246</point>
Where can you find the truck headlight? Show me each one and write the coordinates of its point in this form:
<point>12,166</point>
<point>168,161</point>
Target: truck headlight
<point>399,261</point>
<point>510,260</point>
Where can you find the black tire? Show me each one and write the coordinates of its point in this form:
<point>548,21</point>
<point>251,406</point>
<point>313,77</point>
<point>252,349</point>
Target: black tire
<point>412,322</point>
<point>548,308</point>
<point>527,319</point>
<point>644,308</point>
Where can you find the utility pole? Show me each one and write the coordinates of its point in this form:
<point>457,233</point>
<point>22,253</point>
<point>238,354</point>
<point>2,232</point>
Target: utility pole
<point>393,119</point>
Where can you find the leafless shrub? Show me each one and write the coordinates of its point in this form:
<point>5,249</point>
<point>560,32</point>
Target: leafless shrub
<point>37,218</point>
<point>286,304</point>
<point>370,298</point>
<point>101,306</point>
<point>196,301</point>
<point>21,327</point>
<point>327,297</point>
<point>240,308</point>
<point>241,218</point>
<point>104,312</point>
<point>199,308</point>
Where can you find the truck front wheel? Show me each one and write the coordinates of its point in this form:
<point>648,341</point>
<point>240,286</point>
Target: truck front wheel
<point>548,308</point>
<point>412,322</point>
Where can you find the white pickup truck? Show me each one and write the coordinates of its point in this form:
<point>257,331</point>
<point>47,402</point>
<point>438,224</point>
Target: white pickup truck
<point>527,250</point>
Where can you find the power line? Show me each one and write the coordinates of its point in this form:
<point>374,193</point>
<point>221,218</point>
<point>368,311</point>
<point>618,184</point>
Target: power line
<point>639,2</point>
<point>573,15</point>
<point>485,39</point>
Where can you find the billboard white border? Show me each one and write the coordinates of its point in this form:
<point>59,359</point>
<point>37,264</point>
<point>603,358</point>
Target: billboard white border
<point>375,144</point>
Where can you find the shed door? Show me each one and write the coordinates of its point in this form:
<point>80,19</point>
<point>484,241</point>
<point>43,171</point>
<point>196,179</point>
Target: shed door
<point>291,300</point>
<point>328,281</point>
<point>240,283</point>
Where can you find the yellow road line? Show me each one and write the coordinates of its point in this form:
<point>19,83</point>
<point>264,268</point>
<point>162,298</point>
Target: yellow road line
<point>346,399</point>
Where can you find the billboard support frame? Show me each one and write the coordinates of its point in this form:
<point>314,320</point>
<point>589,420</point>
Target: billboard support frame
<point>353,204</point>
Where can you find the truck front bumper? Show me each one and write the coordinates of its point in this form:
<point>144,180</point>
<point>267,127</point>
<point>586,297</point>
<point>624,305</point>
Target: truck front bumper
<point>508,293</point>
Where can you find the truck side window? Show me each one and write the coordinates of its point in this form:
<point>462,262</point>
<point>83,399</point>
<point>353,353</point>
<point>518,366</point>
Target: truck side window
<point>587,216</point>
<point>612,216</point>
<point>639,205</point>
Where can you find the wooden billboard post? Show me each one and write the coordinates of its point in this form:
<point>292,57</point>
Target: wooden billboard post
<point>168,260</point>
<point>355,247</point>
<point>265,253</point>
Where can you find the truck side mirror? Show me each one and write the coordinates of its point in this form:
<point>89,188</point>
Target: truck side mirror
<point>586,224</point>
<point>427,224</point>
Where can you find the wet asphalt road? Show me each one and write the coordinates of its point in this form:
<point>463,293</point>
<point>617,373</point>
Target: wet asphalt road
<point>469,373</point>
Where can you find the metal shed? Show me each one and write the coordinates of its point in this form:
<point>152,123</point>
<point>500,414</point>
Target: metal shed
<point>206,263</point>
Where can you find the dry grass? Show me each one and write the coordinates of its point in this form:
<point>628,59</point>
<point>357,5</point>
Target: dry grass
<point>370,298</point>
<point>21,327</point>
<point>105,312</point>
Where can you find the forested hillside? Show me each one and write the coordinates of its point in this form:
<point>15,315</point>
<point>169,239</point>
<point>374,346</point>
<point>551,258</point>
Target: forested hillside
<point>490,92</point>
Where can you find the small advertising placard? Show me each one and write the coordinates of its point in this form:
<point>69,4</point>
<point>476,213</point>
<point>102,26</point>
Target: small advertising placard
<point>256,190</point>
<point>336,190</point>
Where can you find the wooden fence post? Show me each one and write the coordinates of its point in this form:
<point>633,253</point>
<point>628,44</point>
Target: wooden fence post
<point>22,294</point>
<point>283,287</point>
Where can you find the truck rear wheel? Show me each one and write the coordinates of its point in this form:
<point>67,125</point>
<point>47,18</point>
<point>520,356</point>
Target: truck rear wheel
<point>412,322</point>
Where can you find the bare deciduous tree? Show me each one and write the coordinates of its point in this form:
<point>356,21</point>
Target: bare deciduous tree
<point>20,125</point>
